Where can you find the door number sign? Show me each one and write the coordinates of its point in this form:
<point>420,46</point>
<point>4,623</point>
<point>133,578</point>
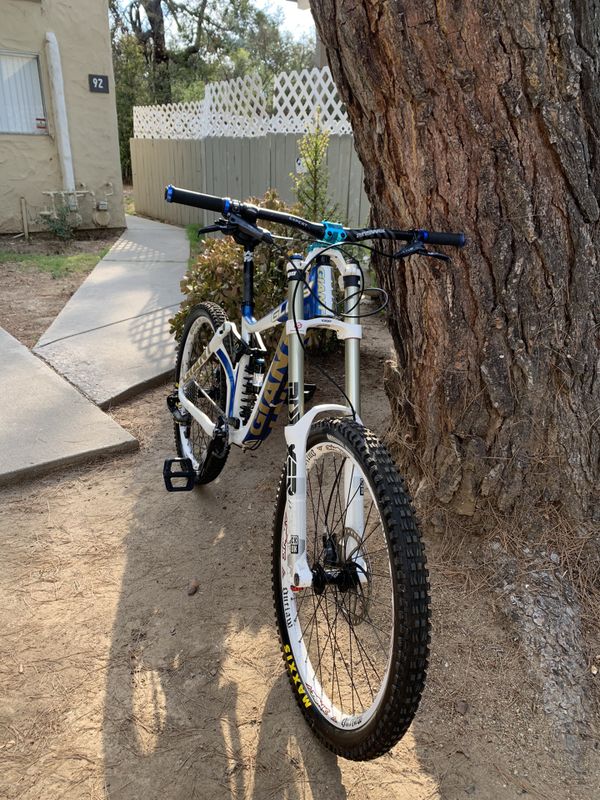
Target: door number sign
<point>98,83</point>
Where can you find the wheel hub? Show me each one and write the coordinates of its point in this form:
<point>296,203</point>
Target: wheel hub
<point>344,566</point>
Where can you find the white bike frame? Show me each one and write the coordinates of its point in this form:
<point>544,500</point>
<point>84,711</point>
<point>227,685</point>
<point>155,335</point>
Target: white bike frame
<point>251,433</point>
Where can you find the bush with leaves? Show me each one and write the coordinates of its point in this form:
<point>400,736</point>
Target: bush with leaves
<point>217,275</point>
<point>60,223</point>
<point>131,89</point>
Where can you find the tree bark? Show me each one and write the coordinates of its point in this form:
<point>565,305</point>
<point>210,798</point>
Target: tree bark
<point>485,117</point>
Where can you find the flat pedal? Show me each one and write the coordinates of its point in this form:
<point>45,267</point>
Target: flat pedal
<point>179,469</point>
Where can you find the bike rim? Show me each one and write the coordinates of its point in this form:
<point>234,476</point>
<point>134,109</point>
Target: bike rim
<point>342,638</point>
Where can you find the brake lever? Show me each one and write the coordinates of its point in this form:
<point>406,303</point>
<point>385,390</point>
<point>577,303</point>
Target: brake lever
<point>417,248</point>
<point>435,254</point>
<point>220,225</point>
<point>246,232</point>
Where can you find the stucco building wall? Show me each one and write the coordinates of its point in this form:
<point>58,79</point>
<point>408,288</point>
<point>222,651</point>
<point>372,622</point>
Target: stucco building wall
<point>30,164</point>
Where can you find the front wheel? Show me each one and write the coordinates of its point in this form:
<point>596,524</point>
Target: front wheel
<point>355,643</point>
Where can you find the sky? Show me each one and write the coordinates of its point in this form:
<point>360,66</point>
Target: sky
<point>297,22</point>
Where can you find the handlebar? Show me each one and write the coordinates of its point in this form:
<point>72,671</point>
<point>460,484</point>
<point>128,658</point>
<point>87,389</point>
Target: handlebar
<point>188,198</point>
<point>328,232</point>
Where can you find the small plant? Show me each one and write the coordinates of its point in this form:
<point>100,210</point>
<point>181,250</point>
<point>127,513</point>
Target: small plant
<point>60,223</point>
<point>311,186</point>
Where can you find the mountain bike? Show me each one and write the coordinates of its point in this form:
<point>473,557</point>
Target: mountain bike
<point>349,573</point>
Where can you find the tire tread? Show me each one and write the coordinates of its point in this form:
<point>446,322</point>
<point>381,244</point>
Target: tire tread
<point>409,669</point>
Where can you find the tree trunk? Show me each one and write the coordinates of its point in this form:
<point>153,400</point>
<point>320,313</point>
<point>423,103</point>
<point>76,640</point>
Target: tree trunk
<point>485,117</point>
<point>153,42</point>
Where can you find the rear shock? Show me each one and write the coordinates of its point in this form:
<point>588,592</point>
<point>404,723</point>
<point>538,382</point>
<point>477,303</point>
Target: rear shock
<point>254,375</point>
<point>248,395</point>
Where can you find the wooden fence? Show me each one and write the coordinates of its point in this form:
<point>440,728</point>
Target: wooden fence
<point>238,168</point>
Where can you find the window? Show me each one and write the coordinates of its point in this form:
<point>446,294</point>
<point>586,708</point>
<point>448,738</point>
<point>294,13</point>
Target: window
<point>21,103</point>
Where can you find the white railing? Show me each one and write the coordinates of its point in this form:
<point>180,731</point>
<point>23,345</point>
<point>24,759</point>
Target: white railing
<point>239,108</point>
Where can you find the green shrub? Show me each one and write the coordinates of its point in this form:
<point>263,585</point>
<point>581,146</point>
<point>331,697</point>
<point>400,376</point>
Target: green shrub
<point>60,223</point>
<point>217,274</point>
<point>311,186</point>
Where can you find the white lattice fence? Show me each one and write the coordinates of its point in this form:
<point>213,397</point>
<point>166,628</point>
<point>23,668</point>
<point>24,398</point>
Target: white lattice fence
<point>236,108</point>
<point>239,108</point>
<point>178,121</point>
<point>300,96</point>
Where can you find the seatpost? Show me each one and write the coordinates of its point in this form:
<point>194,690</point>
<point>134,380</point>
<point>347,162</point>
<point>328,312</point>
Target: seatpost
<point>295,349</point>
<point>248,296</point>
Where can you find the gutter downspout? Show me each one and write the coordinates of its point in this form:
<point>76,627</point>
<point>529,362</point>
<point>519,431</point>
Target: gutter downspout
<point>61,122</point>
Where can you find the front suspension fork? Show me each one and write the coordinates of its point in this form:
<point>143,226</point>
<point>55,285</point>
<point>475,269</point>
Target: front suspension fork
<point>299,574</point>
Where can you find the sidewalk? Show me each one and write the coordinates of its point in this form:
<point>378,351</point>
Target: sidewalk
<point>44,421</point>
<point>112,338</point>
<point>110,341</point>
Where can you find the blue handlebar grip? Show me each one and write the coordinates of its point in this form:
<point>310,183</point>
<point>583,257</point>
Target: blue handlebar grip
<point>451,239</point>
<point>169,194</point>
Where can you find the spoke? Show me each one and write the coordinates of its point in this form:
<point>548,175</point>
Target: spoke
<point>353,690</point>
<point>315,627</point>
<point>339,501</point>
<point>376,525</point>
<point>377,629</point>
<point>360,649</point>
<point>384,549</point>
<point>313,617</point>
<point>335,650</point>
<point>352,683</point>
<point>321,500</point>
<point>365,526</point>
<point>344,512</point>
<point>333,488</point>
<point>363,650</point>
<point>339,651</point>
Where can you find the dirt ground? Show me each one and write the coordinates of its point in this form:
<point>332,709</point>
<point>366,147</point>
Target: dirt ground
<point>116,683</point>
<point>29,298</point>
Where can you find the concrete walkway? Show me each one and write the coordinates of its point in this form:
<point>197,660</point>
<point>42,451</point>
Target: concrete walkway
<point>44,421</point>
<point>110,341</point>
<point>112,338</point>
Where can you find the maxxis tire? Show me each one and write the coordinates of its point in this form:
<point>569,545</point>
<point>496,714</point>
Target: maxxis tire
<point>210,468</point>
<point>409,643</point>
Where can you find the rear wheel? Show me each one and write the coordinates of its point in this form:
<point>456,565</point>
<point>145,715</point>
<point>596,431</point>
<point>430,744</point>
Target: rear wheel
<point>191,440</point>
<point>356,642</point>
